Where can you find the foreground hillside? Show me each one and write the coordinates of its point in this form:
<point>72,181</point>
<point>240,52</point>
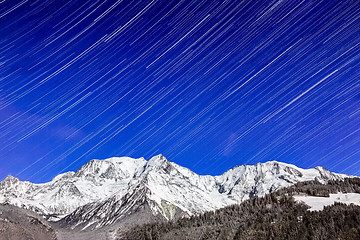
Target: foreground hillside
<point>275,216</point>
<point>20,224</point>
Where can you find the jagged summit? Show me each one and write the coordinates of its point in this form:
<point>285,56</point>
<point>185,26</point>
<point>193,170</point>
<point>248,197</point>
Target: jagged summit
<point>158,160</point>
<point>11,178</point>
<point>111,168</point>
<point>63,176</point>
<point>161,187</point>
<point>158,163</point>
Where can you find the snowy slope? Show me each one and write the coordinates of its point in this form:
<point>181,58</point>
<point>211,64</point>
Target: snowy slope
<point>243,182</point>
<point>95,181</point>
<point>318,203</point>
<point>102,191</point>
<point>135,207</point>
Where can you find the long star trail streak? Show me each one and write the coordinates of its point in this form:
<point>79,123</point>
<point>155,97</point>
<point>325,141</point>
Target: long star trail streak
<point>177,42</point>
<point>208,84</point>
<point>112,35</point>
<point>12,8</point>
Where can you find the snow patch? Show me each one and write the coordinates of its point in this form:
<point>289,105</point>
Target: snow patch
<point>318,203</point>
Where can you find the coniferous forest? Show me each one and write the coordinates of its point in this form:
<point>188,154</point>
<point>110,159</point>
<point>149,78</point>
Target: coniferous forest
<point>275,216</point>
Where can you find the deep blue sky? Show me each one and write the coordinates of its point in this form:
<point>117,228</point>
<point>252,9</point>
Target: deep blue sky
<point>209,84</point>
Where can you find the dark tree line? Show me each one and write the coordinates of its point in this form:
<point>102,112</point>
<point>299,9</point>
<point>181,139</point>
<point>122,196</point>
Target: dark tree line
<point>274,216</point>
<point>314,188</point>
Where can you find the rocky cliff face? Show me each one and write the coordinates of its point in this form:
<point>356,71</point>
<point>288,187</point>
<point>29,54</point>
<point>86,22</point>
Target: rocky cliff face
<point>103,192</point>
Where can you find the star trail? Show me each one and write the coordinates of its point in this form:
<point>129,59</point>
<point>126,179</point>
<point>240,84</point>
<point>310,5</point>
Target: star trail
<point>209,84</point>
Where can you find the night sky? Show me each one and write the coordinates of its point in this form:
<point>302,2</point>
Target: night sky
<point>208,84</point>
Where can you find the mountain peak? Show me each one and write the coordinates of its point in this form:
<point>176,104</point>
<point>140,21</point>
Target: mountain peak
<point>123,159</point>
<point>320,168</point>
<point>158,161</point>
<point>63,176</point>
<point>115,168</point>
<point>272,162</point>
<point>10,180</point>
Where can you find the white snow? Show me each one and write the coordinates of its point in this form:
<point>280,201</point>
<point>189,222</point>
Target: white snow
<point>318,203</point>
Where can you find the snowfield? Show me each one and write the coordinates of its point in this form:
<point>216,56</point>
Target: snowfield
<point>318,203</point>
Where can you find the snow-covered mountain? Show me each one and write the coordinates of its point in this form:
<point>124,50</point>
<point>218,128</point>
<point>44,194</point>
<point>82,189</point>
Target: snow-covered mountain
<point>103,192</point>
<point>93,182</point>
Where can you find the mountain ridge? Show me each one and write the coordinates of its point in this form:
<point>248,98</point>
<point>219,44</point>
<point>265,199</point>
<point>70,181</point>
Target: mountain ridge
<point>162,188</point>
<point>66,174</point>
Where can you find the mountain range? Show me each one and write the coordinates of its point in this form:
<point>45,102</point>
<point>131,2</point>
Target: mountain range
<point>123,191</point>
